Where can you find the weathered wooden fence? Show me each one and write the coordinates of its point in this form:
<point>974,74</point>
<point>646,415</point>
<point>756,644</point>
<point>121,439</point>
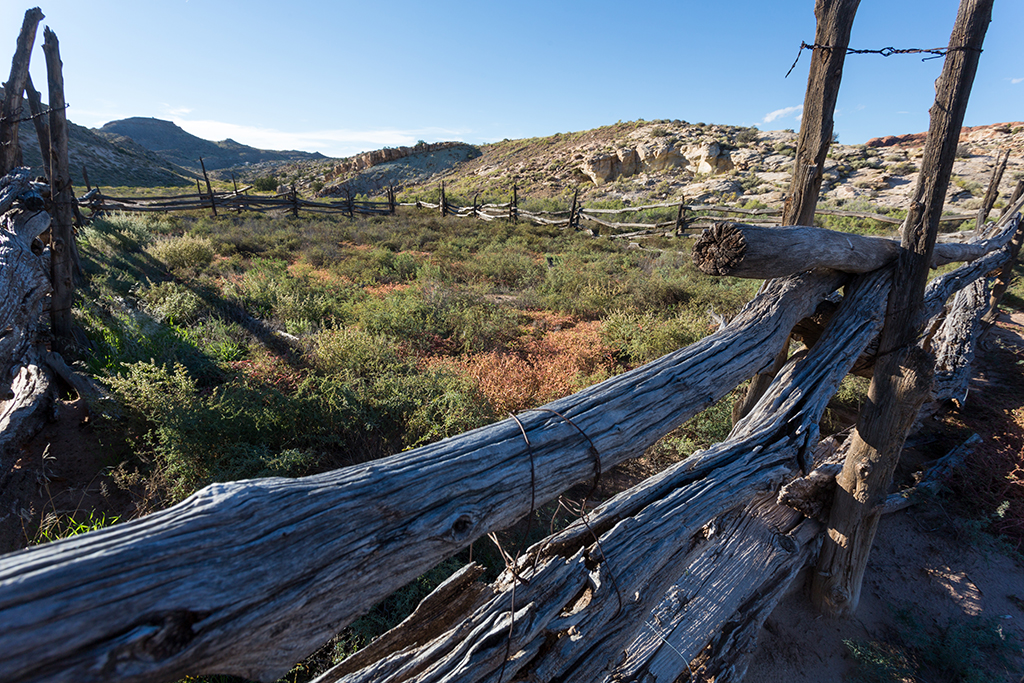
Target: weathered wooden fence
<point>249,577</point>
<point>689,218</point>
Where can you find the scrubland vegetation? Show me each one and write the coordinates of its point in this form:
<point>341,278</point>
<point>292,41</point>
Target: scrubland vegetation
<point>250,346</point>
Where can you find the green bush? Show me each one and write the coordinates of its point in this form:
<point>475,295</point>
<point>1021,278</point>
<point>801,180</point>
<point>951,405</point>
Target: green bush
<point>172,303</point>
<point>183,253</point>
<point>266,184</point>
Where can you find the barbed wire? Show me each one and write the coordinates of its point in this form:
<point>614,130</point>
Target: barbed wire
<point>934,52</point>
<point>4,119</point>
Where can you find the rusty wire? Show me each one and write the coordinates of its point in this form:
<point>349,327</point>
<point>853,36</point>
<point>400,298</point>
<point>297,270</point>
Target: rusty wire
<point>933,52</point>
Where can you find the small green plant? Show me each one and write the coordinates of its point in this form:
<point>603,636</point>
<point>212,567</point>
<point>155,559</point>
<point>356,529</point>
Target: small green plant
<point>55,527</point>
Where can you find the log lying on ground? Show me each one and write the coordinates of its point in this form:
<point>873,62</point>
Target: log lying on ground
<point>578,599</point>
<point>751,251</point>
<point>249,577</point>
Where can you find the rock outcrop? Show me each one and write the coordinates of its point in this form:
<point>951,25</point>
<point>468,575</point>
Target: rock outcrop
<point>361,162</point>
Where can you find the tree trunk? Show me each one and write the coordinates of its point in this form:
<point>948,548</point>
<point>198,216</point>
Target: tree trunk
<point>832,36</point>
<point>10,150</point>
<point>62,242</point>
<point>902,377</point>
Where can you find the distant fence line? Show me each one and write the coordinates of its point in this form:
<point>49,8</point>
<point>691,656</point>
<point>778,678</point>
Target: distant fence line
<point>689,217</point>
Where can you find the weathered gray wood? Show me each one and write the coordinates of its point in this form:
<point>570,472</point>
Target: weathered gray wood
<point>587,592</point>
<point>832,29</point>
<point>35,105</point>
<point>25,286</point>
<point>276,567</point>
<point>742,250</point>
<point>1002,280</point>
<point>62,234</point>
<point>992,193</point>
<point>902,377</point>
<point>10,113</point>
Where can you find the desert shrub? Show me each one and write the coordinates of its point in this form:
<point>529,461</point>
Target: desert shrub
<point>266,184</point>
<point>235,430</point>
<point>507,267</point>
<point>183,253</point>
<point>302,304</point>
<point>748,136</point>
<point>216,339</point>
<point>436,317</point>
<point>172,303</point>
<point>353,352</point>
<point>641,337</point>
<point>554,365</point>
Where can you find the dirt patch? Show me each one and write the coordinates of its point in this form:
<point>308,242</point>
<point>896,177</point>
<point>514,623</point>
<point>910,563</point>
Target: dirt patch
<point>932,573</point>
<point>62,474</point>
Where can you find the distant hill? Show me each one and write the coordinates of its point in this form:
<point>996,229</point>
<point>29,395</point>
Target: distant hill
<point>184,149</point>
<point>109,162</point>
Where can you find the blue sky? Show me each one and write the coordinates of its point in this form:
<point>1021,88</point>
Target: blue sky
<point>340,77</point>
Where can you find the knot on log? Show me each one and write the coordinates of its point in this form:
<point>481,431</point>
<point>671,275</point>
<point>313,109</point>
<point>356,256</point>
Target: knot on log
<point>155,639</point>
<point>719,249</point>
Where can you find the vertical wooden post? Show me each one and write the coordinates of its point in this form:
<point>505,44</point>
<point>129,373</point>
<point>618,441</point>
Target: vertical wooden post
<point>681,217</point>
<point>10,113</point>
<point>35,104</point>
<point>85,178</point>
<point>62,195</point>
<point>295,201</point>
<point>476,204</point>
<point>443,202</point>
<point>903,373</point>
<point>238,198</point>
<point>348,201</point>
<point>1002,280</point>
<point>834,22</point>
<point>993,188</point>
<point>572,209</point>
<point>513,208</point>
<point>209,188</point>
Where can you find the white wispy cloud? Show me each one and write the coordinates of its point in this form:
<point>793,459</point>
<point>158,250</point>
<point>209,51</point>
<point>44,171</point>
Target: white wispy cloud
<point>782,113</point>
<point>1015,81</point>
<point>339,142</point>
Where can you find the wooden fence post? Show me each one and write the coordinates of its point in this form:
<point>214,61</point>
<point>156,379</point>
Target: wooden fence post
<point>834,22</point>
<point>572,210</point>
<point>1002,280</point>
<point>295,201</point>
<point>348,202</point>
<point>513,207</point>
<point>903,373</point>
<point>238,201</point>
<point>391,200</point>
<point>10,114</point>
<point>62,241</point>
<point>443,201</point>
<point>681,217</point>
<point>993,188</point>
<point>35,105</point>
<point>209,188</point>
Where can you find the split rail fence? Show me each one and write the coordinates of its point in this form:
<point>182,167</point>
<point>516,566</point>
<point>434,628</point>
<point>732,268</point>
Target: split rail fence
<point>689,218</point>
<point>675,574</point>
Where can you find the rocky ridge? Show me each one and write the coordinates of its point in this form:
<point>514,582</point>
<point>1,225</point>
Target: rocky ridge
<point>643,161</point>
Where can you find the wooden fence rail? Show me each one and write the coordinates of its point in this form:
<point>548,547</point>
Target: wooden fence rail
<point>691,218</point>
<point>249,577</point>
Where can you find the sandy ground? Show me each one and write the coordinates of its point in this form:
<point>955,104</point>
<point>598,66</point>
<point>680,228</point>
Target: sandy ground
<point>925,563</point>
